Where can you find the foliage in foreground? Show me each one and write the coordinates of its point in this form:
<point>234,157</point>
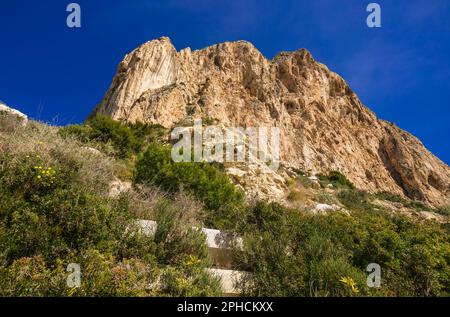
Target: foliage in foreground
<point>54,211</point>
<point>293,254</point>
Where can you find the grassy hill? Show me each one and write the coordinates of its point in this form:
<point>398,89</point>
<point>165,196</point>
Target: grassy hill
<point>56,208</point>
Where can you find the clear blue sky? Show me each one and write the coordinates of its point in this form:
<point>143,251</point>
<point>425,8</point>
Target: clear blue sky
<point>401,71</point>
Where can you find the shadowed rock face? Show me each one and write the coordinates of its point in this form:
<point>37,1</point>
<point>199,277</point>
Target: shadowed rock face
<point>323,124</point>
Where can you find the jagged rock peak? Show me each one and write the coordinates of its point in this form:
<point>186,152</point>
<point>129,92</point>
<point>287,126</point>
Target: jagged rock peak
<point>324,126</point>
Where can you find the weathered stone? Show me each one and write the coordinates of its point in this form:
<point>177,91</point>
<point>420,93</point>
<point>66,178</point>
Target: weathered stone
<point>117,187</point>
<point>91,150</point>
<point>324,208</point>
<point>229,280</point>
<point>23,118</point>
<point>323,124</point>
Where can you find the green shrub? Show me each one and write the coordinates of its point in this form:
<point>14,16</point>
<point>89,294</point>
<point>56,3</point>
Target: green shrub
<point>102,275</point>
<point>189,281</point>
<point>80,132</point>
<point>443,210</point>
<point>337,179</point>
<point>289,254</point>
<point>126,139</point>
<point>413,255</point>
<point>203,180</point>
<point>417,205</point>
<point>148,133</point>
<point>30,276</point>
<point>54,211</point>
<point>176,238</point>
<point>325,198</point>
<point>48,210</point>
<point>182,248</point>
<point>293,254</point>
<point>355,199</point>
<point>325,279</point>
<point>104,129</point>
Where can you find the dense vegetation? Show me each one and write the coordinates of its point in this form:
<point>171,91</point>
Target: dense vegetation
<point>222,202</point>
<point>293,254</point>
<point>337,179</point>
<point>55,210</point>
<point>126,139</point>
<point>417,205</point>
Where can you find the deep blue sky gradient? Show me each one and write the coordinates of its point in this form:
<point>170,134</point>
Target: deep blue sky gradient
<point>401,71</point>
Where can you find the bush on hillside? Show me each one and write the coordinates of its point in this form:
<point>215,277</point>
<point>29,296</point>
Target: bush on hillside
<point>293,254</point>
<point>443,210</point>
<point>203,180</point>
<point>337,179</point>
<point>354,199</point>
<point>126,139</point>
<point>417,205</point>
<point>54,211</point>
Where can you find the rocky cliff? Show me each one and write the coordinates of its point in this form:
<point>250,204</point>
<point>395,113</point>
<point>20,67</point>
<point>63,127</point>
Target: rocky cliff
<point>323,124</point>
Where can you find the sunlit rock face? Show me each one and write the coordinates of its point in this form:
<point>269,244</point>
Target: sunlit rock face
<point>323,124</point>
<point>4,108</point>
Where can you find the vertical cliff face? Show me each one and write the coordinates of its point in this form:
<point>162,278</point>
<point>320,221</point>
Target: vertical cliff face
<point>149,67</point>
<point>323,124</point>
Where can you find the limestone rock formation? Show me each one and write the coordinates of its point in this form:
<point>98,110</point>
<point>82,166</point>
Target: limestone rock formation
<point>20,115</point>
<point>323,124</point>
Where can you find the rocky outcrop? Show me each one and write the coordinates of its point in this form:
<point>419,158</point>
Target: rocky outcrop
<point>118,187</point>
<point>4,108</point>
<point>323,124</point>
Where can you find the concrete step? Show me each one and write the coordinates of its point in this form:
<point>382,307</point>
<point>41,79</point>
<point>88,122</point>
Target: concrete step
<point>229,280</point>
<point>220,250</point>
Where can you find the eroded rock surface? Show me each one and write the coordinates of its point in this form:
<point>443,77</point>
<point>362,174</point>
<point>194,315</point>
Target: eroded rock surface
<point>323,124</point>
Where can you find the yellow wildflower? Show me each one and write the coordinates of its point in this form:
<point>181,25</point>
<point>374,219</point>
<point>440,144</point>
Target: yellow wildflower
<point>71,292</point>
<point>351,283</point>
<point>192,260</point>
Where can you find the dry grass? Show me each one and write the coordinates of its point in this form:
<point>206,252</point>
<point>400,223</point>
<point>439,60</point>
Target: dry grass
<point>326,198</point>
<point>41,140</point>
<point>145,200</point>
<point>96,169</point>
<point>9,123</point>
<point>299,194</point>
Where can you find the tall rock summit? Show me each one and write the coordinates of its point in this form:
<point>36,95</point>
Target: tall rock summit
<point>323,124</point>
